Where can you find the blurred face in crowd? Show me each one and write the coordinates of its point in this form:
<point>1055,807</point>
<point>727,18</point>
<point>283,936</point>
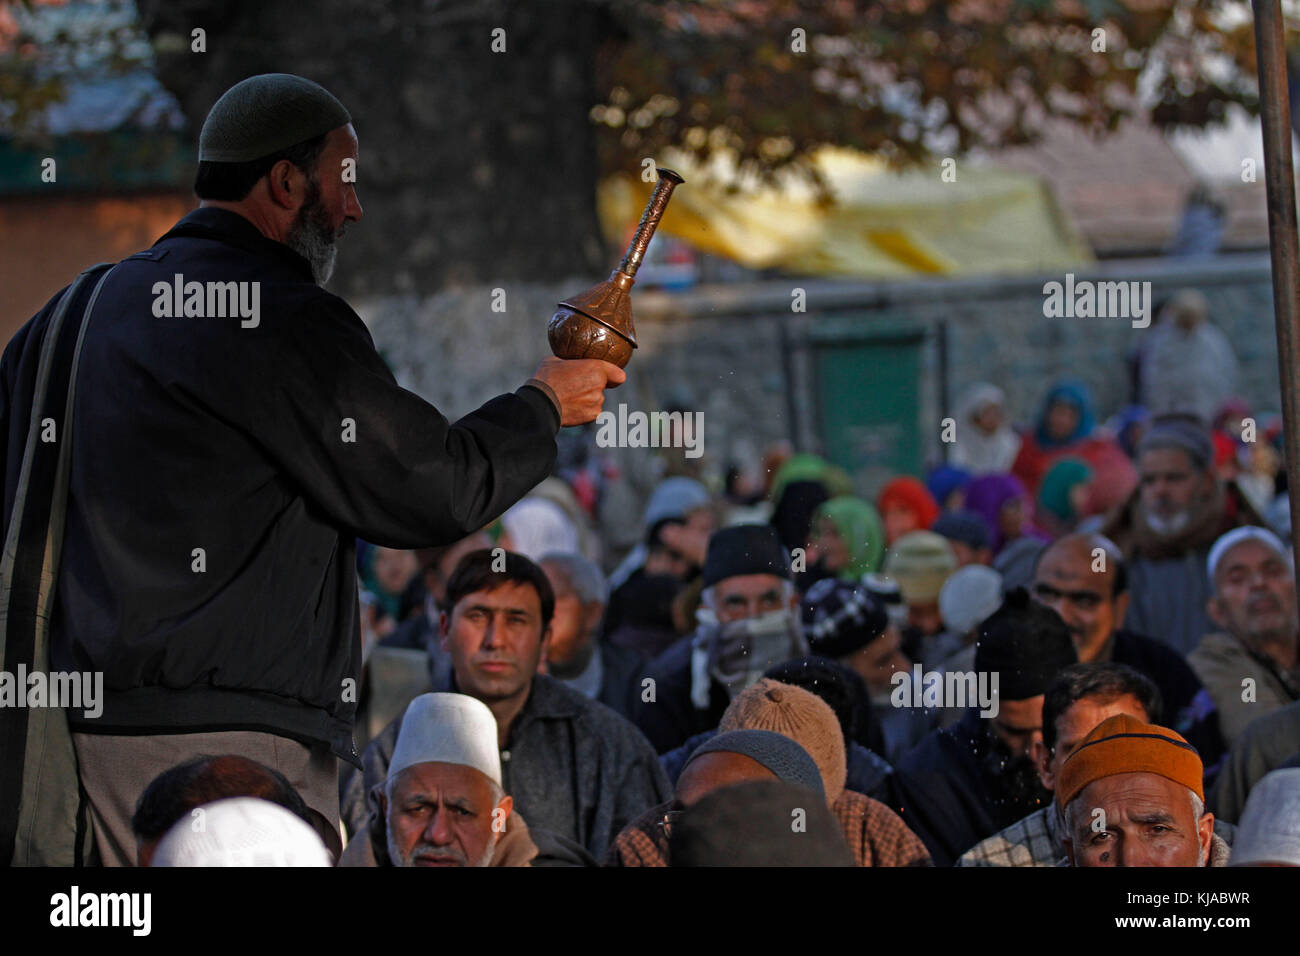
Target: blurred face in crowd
<point>1011,518</point>
<point>899,520</point>
<point>702,520</point>
<point>1019,725</point>
<point>925,617</point>
<point>495,640</point>
<point>1062,420</point>
<point>713,771</point>
<point>436,575</point>
<point>877,661</point>
<point>830,546</point>
<point>1148,821</point>
<point>442,814</point>
<point>968,555</point>
<point>1075,723</point>
<point>663,558</point>
<point>1065,582</point>
<point>573,628</point>
<point>394,569</point>
<point>1172,489</point>
<point>749,595</point>
<point>989,418</point>
<point>1255,597</point>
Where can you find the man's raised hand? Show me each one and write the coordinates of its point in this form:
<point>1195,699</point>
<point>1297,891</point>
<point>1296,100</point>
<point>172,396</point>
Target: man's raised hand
<point>580,386</point>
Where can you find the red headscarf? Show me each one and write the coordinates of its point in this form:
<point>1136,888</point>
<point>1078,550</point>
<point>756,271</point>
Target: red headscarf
<point>909,493</point>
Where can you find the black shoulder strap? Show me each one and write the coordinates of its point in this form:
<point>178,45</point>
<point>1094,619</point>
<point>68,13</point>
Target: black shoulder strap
<point>29,561</point>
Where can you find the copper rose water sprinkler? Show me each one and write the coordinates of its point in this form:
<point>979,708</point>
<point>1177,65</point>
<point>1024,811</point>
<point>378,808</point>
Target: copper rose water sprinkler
<point>597,323</point>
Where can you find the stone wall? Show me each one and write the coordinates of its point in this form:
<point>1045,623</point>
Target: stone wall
<point>738,353</point>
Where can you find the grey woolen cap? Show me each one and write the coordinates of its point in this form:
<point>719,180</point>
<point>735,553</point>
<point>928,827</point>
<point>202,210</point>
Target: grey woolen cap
<point>778,753</point>
<point>264,114</point>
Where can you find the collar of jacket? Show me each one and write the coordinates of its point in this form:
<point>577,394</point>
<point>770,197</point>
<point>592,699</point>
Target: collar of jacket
<point>1230,648</point>
<point>548,699</point>
<point>211,222</point>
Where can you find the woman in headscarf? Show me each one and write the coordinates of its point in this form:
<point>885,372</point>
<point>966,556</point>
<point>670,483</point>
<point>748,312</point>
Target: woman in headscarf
<point>847,540</point>
<point>948,486</point>
<point>1002,501</point>
<point>1128,425</point>
<point>1067,428</point>
<point>906,505</point>
<point>984,443</point>
<point>806,467</point>
<point>1063,498</point>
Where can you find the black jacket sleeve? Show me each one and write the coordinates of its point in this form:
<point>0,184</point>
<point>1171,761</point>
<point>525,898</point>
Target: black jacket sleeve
<point>374,457</point>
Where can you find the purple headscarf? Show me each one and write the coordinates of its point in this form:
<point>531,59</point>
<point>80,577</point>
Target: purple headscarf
<point>987,494</point>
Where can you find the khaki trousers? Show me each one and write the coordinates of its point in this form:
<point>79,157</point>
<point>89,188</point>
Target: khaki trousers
<point>115,770</point>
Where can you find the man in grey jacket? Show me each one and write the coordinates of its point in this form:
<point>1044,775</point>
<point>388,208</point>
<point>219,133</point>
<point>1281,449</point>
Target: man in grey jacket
<point>573,766</point>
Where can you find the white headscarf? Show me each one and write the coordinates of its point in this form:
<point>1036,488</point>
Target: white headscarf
<point>973,450</point>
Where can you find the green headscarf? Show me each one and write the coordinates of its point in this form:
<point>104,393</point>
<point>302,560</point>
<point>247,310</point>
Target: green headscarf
<point>858,523</point>
<point>1054,492</point>
<point>806,467</point>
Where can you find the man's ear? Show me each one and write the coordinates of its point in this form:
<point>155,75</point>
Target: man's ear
<point>507,805</point>
<point>1214,607</point>
<point>1068,843</point>
<point>1042,758</point>
<point>1205,833</point>
<point>1121,608</point>
<point>592,612</point>
<point>286,185</point>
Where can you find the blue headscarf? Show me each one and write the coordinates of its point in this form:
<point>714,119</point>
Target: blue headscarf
<point>944,480</point>
<point>1074,393</point>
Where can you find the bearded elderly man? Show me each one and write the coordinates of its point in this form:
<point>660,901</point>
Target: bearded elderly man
<point>748,621</point>
<point>1251,665</point>
<point>443,803</point>
<point>1079,699</point>
<point>1131,795</point>
<point>1167,527</point>
<point>229,450</point>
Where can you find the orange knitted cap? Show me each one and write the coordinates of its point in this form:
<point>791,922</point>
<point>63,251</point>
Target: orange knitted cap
<point>800,715</point>
<point>1124,744</point>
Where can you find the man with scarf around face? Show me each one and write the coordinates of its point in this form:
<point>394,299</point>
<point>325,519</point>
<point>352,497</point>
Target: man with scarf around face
<point>748,621</point>
<point>966,782</point>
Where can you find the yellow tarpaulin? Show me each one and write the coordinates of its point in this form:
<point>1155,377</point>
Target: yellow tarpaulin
<point>883,225</point>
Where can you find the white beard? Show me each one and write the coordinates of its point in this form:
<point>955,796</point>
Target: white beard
<point>1167,527</point>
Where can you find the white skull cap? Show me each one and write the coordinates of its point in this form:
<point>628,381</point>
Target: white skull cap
<point>1231,539</point>
<point>448,728</point>
<point>241,831</point>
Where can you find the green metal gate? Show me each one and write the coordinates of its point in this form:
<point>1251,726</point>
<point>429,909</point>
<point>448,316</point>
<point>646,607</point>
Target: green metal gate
<point>867,387</point>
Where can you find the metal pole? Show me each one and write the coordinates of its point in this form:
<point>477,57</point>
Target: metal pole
<point>1275,115</point>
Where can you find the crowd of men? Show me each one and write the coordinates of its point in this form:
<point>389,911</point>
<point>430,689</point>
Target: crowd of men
<point>932,678</point>
<point>1070,644</point>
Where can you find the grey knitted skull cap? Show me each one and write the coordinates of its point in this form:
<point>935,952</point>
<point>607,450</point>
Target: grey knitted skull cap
<point>788,761</point>
<point>265,114</point>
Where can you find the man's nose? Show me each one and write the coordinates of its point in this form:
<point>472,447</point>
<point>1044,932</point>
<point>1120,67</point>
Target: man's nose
<point>438,832</point>
<point>491,634</point>
<point>352,210</point>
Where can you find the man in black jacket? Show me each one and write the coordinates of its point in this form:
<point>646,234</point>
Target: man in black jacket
<point>236,431</point>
